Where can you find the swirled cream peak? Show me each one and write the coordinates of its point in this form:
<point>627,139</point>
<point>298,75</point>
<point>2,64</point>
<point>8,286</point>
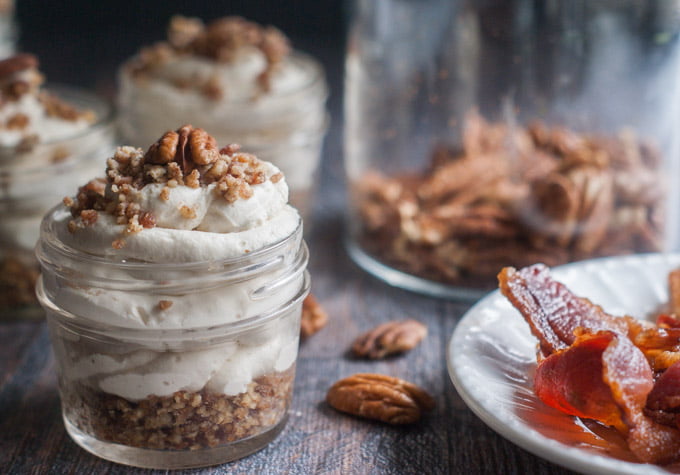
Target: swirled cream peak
<point>28,113</point>
<point>229,58</point>
<point>183,183</point>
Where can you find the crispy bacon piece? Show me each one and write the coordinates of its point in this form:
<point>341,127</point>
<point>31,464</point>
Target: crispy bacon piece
<point>665,320</point>
<point>575,380</point>
<point>665,396</point>
<point>551,310</point>
<point>604,377</point>
<point>674,291</point>
<point>592,369</point>
<point>661,345</point>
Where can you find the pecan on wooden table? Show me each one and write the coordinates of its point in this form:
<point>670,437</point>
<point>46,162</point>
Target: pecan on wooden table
<point>389,338</point>
<point>380,397</point>
<point>314,317</point>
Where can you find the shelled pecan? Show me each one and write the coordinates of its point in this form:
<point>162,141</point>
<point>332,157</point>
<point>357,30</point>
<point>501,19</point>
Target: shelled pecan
<point>314,317</point>
<point>380,397</point>
<point>389,338</point>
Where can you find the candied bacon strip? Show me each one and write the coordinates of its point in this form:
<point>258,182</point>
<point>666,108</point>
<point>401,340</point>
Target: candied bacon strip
<point>665,320</point>
<point>605,377</point>
<point>652,442</point>
<point>572,332</point>
<point>660,345</point>
<point>602,376</point>
<point>552,311</point>
<point>665,396</point>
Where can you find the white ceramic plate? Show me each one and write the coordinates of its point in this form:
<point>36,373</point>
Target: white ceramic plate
<point>491,360</point>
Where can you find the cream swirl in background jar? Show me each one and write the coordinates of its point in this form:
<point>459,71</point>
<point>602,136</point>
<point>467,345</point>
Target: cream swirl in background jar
<point>173,290</point>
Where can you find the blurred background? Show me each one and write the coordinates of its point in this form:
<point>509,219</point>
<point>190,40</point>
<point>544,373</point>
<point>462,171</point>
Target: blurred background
<point>83,42</point>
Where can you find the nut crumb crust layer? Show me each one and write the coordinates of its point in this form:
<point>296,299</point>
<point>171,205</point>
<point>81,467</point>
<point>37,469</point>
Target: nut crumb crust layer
<point>186,420</point>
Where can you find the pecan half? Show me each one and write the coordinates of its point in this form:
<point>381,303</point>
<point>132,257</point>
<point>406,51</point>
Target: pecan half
<point>314,317</point>
<point>182,31</point>
<point>163,151</point>
<point>380,397</point>
<point>187,146</point>
<point>389,338</point>
<point>17,63</point>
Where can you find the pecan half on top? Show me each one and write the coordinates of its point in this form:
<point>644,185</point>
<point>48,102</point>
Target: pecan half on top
<point>389,338</point>
<point>314,317</point>
<point>380,397</point>
<point>186,146</point>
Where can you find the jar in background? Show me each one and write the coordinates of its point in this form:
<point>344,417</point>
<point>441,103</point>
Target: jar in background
<point>8,28</point>
<point>34,176</point>
<point>488,134</point>
<point>208,382</point>
<point>267,98</point>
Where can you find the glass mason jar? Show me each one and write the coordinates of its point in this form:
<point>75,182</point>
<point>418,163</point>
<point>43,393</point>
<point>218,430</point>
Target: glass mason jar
<point>286,128</point>
<point>494,133</point>
<point>167,365</point>
<point>32,178</point>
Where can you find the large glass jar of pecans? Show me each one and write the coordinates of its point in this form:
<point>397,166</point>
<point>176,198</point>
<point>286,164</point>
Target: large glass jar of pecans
<point>488,134</point>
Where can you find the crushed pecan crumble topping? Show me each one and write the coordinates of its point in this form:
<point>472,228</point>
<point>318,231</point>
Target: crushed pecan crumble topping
<point>55,107</point>
<point>220,40</point>
<point>17,121</point>
<point>513,196</point>
<point>19,75</point>
<point>187,156</point>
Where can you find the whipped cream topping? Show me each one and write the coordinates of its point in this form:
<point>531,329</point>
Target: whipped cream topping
<point>207,81</point>
<point>167,206</point>
<point>182,201</point>
<point>40,126</point>
<point>225,369</point>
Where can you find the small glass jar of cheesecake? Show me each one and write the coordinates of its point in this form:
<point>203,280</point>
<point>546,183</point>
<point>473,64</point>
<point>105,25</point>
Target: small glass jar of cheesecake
<point>241,81</point>
<point>49,142</point>
<point>173,289</point>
